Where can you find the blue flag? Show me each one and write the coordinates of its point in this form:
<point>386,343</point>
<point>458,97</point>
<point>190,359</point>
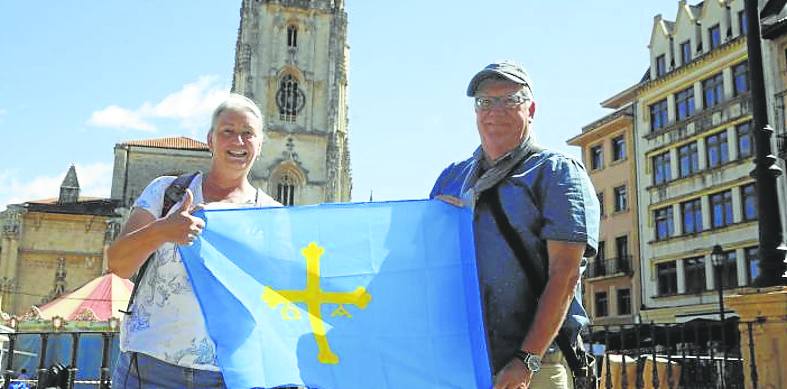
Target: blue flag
<point>342,296</point>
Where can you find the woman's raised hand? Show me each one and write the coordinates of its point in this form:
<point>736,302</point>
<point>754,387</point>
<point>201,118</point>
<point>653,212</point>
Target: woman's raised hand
<point>181,226</point>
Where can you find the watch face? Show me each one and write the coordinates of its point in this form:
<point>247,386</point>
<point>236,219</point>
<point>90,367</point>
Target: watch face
<point>533,363</point>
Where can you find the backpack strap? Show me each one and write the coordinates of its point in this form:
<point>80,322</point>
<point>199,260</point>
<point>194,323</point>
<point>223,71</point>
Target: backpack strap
<point>172,195</point>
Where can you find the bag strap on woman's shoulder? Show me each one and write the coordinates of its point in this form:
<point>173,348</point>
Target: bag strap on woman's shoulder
<point>172,195</point>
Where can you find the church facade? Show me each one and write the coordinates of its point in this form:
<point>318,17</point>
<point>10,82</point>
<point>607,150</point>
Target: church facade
<point>51,246</point>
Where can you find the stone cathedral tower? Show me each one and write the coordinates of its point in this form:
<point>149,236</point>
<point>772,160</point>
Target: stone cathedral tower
<point>291,58</point>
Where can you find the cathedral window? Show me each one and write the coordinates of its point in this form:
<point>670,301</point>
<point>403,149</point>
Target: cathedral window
<point>289,98</point>
<point>285,190</point>
<point>292,36</point>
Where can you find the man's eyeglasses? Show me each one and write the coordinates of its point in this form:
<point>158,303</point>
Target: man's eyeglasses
<point>485,103</point>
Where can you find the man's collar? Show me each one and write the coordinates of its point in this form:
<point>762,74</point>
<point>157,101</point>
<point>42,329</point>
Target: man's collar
<point>480,156</point>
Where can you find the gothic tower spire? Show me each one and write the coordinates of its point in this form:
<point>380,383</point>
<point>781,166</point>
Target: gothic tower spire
<point>291,58</point>
<point>69,189</point>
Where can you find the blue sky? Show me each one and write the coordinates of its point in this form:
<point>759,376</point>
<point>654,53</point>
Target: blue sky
<point>78,77</point>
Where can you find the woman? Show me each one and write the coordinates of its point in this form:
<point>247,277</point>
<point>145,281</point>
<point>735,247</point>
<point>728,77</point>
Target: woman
<point>163,341</point>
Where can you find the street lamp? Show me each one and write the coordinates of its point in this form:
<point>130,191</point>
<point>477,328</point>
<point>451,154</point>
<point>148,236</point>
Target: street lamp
<point>719,260</point>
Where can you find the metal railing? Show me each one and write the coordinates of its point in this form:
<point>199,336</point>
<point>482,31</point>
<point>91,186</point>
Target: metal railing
<point>52,373</point>
<point>698,354</point>
<point>609,266</point>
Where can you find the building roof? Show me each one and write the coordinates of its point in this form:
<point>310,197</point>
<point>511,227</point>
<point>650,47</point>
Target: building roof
<point>178,142</point>
<point>84,206</point>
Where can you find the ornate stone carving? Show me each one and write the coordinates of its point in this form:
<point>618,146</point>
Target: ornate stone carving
<point>7,284</point>
<point>60,281</point>
<point>288,155</point>
<point>13,223</point>
<point>112,230</point>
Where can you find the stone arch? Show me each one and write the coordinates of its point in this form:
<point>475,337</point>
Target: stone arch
<point>286,183</point>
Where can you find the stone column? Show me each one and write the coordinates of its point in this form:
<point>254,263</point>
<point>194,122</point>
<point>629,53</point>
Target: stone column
<point>765,308</point>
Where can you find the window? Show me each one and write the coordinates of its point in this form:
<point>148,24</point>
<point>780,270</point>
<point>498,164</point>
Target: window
<point>600,196</point>
<point>289,98</point>
<point>601,304</point>
<point>620,198</point>
<point>658,115</point>
<point>661,66</point>
<point>622,248</point>
<point>292,36</point>
<point>743,22</point>
<point>689,159</point>
<point>718,152</point>
<point>745,148</point>
<point>721,209</point>
<point>740,76</point>
<point>618,148</point>
<point>684,103</point>
<point>714,36</point>
<point>691,213</point>
<point>685,52</point>
<point>285,190</point>
<point>694,273</point>
<point>752,262</point>
<point>624,301</point>
<point>667,275</point>
<point>749,200</point>
<point>662,172</point>
<point>713,90</point>
<point>664,227</point>
<point>598,264</point>
<point>728,270</point>
<point>596,157</point>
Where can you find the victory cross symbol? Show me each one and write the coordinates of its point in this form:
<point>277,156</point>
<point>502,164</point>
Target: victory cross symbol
<point>314,298</point>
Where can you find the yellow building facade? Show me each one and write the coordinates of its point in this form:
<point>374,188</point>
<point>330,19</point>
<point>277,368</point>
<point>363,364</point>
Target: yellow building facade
<point>611,280</point>
<point>51,246</point>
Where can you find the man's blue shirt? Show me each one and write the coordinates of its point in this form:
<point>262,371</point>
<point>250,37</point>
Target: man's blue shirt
<point>547,196</point>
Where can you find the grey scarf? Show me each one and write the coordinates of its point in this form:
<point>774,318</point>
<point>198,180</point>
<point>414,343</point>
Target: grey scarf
<point>486,174</point>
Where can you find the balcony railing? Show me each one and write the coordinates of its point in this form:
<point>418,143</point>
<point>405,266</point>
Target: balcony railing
<point>609,266</point>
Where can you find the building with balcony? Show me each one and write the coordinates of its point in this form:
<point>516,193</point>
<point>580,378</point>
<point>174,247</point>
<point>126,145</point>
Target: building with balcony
<point>611,280</point>
<point>695,152</point>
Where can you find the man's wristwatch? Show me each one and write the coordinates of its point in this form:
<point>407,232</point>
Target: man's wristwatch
<point>531,361</point>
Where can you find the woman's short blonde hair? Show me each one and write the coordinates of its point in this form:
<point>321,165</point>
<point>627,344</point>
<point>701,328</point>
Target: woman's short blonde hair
<point>237,103</point>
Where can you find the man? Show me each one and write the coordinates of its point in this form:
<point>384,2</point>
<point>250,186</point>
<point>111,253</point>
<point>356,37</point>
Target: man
<point>550,202</point>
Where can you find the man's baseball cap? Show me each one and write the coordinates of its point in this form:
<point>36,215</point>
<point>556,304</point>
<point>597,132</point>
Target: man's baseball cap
<point>507,70</point>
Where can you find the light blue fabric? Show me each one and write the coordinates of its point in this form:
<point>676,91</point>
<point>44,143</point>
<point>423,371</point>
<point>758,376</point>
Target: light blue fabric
<point>546,197</point>
<point>417,324</point>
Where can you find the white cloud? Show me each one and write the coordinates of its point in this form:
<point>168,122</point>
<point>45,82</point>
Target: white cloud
<point>95,180</point>
<point>117,117</point>
<point>190,106</point>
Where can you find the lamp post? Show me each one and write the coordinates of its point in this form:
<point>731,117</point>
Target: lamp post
<point>772,249</point>
<point>719,259</point>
